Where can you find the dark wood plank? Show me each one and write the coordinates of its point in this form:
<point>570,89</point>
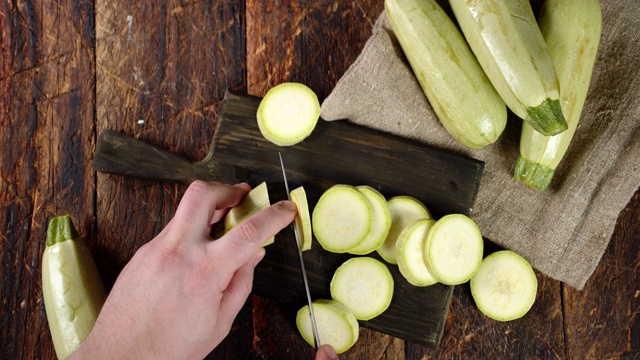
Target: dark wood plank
<point>46,139</point>
<point>163,68</point>
<point>603,320</point>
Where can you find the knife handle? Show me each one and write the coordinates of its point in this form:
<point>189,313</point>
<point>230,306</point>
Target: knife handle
<point>120,154</point>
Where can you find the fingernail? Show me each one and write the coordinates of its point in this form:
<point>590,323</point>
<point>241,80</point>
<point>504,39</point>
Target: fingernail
<point>289,205</point>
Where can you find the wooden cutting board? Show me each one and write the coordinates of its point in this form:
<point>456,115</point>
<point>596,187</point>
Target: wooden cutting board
<point>335,153</point>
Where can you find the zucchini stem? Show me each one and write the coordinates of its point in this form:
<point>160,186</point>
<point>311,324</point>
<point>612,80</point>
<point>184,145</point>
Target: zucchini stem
<point>533,174</point>
<point>61,229</point>
<point>547,118</point>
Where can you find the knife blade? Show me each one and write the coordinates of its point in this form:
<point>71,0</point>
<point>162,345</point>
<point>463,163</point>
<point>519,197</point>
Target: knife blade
<point>296,232</point>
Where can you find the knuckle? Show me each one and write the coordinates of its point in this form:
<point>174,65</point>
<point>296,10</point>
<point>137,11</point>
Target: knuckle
<point>248,232</point>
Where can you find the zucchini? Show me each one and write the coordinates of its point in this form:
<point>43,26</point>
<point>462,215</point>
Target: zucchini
<point>453,251</point>
<point>404,210</point>
<point>507,42</point>
<point>256,200</point>
<point>71,286</point>
<point>460,93</point>
<point>411,250</point>
<point>336,324</point>
<point>364,285</point>
<point>303,219</point>
<point>341,219</point>
<point>505,286</point>
<point>381,222</point>
<point>288,113</point>
<point>572,31</point>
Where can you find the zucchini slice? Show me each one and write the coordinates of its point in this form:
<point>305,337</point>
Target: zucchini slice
<point>381,222</point>
<point>303,220</point>
<point>404,210</point>
<point>71,287</point>
<point>336,324</point>
<point>505,286</point>
<point>288,113</point>
<point>454,247</point>
<point>341,219</point>
<point>410,250</point>
<point>256,200</point>
<point>364,285</point>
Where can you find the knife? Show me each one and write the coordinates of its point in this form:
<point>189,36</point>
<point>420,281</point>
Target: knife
<point>296,231</point>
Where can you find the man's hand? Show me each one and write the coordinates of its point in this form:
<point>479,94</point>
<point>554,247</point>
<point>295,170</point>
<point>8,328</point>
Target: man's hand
<point>178,296</point>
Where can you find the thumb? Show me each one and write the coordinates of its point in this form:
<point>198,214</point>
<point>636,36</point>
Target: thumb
<point>326,352</point>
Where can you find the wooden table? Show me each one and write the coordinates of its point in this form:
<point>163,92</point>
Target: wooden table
<point>158,71</point>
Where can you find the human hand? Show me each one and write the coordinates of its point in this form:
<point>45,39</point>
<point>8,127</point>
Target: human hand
<point>178,296</point>
<point>326,352</point>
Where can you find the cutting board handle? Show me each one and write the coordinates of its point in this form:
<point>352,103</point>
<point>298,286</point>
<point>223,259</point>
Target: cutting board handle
<point>123,155</point>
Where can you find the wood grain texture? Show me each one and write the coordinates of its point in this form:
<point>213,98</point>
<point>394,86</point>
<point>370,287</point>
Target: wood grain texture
<point>47,130</point>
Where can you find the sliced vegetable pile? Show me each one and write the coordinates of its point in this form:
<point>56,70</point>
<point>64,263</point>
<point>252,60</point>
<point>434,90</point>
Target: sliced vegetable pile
<point>361,221</point>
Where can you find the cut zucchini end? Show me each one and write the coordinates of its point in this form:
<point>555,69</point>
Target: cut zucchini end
<point>533,174</point>
<point>454,248</point>
<point>364,285</point>
<point>256,200</point>
<point>336,325</point>
<point>342,219</point>
<point>547,118</point>
<point>61,229</point>
<point>288,113</point>
<point>410,251</point>
<point>505,286</point>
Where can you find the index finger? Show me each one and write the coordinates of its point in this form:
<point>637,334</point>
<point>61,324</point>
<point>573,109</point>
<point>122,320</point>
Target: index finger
<point>243,241</point>
<point>201,203</point>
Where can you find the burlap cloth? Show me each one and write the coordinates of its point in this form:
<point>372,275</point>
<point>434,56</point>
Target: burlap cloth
<point>565,230</point>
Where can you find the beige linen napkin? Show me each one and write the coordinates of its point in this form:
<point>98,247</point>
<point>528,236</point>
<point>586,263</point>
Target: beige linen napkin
<point>564,230</point>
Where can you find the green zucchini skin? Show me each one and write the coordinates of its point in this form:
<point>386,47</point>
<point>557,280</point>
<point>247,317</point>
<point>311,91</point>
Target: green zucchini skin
<point>460,93</point>
<point>505,38</point>
<point>572,30</point>
<point>71,286</point>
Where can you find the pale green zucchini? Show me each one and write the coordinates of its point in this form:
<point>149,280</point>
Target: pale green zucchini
<point>572,31</point>
<point>257,199</point>
<point>71,287</point>
<point>460,93</point>
<point>507,42</point>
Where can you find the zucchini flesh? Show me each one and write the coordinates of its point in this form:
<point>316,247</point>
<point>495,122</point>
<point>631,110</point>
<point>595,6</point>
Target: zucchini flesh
<point>341,219</point>
<point>364,285</point>
<point>71,286</point>
<point>453,251</point>
<point>404,210</point>
<point>288,113</point>
<point>303,219</point>
<point>505,38</point>
<point>336,324</point>
<point>411,249</point>
<point>381,222</point>
<point>460,93</point>
<point>256,200</point>
<point>505,286</point>
<point>572,30</point>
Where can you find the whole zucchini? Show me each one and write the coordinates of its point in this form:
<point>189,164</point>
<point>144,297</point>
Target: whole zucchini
<point>506,39</point>
<point>71,285</point>
<point>572,31</point>
<point>460,93</point>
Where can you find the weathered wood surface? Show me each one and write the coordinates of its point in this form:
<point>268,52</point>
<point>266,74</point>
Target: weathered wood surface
<point>70,68</point>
